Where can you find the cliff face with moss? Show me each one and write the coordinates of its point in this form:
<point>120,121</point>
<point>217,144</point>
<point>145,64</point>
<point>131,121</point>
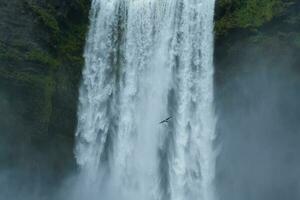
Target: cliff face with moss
<point>41,46</point>
<point>254,36</point>
<point>257,96</point>
<point>247,29</point>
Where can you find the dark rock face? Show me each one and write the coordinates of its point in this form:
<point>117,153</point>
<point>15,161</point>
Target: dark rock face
<point>41,45</point>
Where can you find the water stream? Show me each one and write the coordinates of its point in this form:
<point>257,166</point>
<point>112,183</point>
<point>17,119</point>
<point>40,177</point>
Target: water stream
<point>147,60</point>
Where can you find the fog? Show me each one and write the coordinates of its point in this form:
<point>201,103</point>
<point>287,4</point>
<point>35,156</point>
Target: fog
<point>259,130</point>
<point>27,170</point>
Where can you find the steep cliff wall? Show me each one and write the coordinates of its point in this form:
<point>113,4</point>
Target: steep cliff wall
<point>258,102</point>
<point>251,30</point>
<point>41,45</point>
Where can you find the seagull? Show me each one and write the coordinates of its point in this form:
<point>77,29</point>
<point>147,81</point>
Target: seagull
<point>165,121</point>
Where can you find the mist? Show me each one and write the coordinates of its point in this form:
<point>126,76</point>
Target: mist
<point>259,131</point>
<point>28,159</point>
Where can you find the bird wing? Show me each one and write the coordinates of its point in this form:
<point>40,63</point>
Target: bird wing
<point>166,120</point>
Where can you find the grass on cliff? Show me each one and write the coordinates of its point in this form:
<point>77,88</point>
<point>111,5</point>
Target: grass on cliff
<point>66,29</point>
<point>42,58</point>
<point>44,83</point>
<point>45,15</point>
<point>58,53</point>
<point>248,14</point>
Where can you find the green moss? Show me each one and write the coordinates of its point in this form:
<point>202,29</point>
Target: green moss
<point>11,55</point>
<point>45,16</point>
<point>49,89</point>
<point>61,44</point>
<point>45,83</point>
<point>254,13</point>
<point>42,58</point>
<point>19,51</point>
<point>21,45</point>
<point>67,30</point>
<point>71,46</point>
<point>32,79</point>
<point>83,5</point>
<point>73,39</point>
<point>224,24</point>
<point>248,14</point>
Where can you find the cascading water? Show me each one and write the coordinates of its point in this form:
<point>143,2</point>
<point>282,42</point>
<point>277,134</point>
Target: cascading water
<point>146,60</point>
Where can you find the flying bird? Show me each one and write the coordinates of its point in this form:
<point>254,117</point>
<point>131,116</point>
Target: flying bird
<point>165,121</point>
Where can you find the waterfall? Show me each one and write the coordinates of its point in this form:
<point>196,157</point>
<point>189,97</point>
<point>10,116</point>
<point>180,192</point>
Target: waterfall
<point>146,60</point>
